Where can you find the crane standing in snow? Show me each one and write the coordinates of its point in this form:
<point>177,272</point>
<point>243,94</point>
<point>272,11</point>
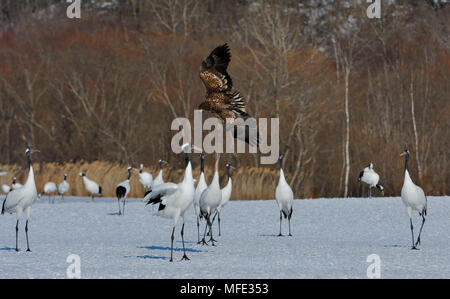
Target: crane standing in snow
<point>201,186</point>
<point>413,198</point>
<point>123,189</point>
<point>20,200</point>
<point>145,178</point>
<point>284,197</point>
<point>175,199</point>
<point>210,200</point>
<point>226,195</point>
<point>63,187</point>
<point>371,178</point>
<point>49,189</point>
<point>92,187</point>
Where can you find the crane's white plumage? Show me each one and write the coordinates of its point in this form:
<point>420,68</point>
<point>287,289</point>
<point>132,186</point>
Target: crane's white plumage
<point>92,187</point>
<point>371,178</point>
<point>284,197</point>
<point>6,188</point>
<point>50,187</point>
<point>174,199</point>
<point>14,184</point>
<point>21,199</point>
<point>145,178</point>
<point>63,187</point>
<point>159,179</point>
<point>413,198</point>
<point>122,190</point>
<point>210,200</point>
<point>201,186</point>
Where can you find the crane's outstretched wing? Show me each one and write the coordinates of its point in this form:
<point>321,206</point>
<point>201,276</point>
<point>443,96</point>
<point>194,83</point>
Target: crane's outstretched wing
<point>157,194</point>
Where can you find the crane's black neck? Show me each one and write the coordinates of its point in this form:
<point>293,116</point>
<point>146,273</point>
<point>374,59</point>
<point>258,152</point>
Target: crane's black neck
<point>202,164</point>
<point>28,159</point>
<point>129,174</point>
<point>406,161</point>
<point>228,172</point>
<point>186,159</point>
<point>281,163</point>
<point>65,177</point>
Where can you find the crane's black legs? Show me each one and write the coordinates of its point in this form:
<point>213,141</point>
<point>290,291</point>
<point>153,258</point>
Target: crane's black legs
<point>423,222</point>
<point>26,233</point>
<point>198,229</point>
<point>370,191</point>
<point>412,234</point>
<point>17,234</point>
<point>209,223</point>
<point>289,221</point>
<point>118,202</point>
<point>123,209</point>
<point>218,219</point>
<point>281,217</point>
<point>182,239</point>
<point>203,241</point>
<point>171,244</point>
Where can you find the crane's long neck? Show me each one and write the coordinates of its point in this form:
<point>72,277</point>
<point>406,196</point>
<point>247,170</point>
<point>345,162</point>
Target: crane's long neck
<point>282,178</point>
<point>216,171</point>
<point>202,165</point>
<point>188,173</point>
<point>406,162</point>
<point>28,160</point>
<point>30,179</point>
<point>129,175</point>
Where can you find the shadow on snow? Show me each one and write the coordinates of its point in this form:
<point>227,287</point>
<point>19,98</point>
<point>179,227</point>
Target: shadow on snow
<point>168,248</point>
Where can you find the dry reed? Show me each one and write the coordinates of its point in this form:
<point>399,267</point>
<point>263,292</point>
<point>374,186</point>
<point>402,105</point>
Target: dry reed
<point>249,183</point>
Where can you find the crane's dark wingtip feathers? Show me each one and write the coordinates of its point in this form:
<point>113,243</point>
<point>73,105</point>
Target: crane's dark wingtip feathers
<point>120,191</point>
<point>155,200</point>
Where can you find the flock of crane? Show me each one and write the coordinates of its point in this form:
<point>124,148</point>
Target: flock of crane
<point>174,200</point>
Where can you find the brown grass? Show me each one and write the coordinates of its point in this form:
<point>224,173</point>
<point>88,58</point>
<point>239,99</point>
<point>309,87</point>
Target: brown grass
<point>249,183</point>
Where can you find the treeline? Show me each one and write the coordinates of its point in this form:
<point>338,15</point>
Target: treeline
<point>348,90</point>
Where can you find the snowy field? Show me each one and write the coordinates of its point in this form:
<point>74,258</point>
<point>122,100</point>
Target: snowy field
<point>332,238</point>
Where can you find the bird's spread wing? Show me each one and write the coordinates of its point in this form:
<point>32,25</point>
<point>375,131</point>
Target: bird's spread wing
<point>213,71</point>
<point>225,105</point>
<point>158,193</point>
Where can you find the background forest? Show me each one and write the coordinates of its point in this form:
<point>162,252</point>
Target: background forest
<point>99,93</point>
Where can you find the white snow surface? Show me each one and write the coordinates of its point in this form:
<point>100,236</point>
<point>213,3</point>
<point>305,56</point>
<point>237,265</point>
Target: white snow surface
<point>332,238</point>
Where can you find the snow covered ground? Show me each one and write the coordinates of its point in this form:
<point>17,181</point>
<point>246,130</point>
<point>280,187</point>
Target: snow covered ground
<point>332,238</point>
